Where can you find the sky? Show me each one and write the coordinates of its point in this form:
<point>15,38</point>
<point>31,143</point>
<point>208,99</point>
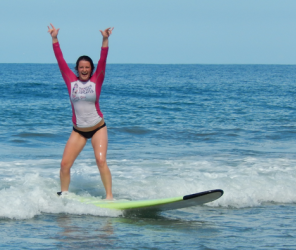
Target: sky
<point>151,31</point>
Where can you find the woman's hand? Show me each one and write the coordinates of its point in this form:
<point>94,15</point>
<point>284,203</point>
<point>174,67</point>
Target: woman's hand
<point>107,32</point>
<point>54,33</point>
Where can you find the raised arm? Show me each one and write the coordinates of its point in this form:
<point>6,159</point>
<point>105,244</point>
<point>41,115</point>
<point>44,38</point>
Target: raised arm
<point>67,73</point>
<point>98,76</point>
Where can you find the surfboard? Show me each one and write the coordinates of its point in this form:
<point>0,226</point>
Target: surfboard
<point>156,204</point>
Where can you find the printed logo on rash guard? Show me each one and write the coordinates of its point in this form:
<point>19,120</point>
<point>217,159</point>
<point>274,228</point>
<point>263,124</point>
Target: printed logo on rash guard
<point>86,90</point>
<point>82,93</point>
<point>75,90</point>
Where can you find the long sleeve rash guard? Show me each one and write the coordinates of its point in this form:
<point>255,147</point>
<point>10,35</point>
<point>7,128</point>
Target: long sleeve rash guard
<point>84,96</point>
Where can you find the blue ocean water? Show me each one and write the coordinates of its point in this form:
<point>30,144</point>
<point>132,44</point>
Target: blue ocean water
<point>173,130</point>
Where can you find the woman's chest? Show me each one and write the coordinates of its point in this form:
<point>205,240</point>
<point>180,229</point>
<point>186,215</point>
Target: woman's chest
<point>83,91</point>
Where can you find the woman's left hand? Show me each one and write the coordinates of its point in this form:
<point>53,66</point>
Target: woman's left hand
<point>107,32</point>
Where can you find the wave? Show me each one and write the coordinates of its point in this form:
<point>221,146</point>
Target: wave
<point>29,187</point>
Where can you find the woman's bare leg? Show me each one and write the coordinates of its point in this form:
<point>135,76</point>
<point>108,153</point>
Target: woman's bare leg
<point>100,144</point>
<point>72,149</point>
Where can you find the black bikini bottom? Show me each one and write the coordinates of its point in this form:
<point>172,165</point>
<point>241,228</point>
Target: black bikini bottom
<point>89,134</point>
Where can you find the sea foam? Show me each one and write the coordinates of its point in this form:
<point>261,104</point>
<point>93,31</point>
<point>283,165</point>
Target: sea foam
<point>29,188</point>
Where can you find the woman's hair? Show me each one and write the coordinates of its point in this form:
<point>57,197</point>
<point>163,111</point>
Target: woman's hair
<point>88,59</point>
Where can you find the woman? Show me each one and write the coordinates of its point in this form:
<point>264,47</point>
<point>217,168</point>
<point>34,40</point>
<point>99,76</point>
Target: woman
<point>88,121</point>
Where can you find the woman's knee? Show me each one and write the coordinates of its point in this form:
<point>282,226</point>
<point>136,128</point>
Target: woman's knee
<point>101,162</point>
<point>65,166</point>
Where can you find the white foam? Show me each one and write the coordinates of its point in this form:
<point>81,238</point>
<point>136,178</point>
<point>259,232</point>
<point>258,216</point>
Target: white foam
<point>28,188</point>
<point>24,196</point>
<point>246,182</point>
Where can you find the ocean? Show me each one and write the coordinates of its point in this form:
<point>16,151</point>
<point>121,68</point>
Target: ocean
<point>173,130</point>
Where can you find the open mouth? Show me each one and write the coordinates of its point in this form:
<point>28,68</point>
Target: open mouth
<point>84,73</point>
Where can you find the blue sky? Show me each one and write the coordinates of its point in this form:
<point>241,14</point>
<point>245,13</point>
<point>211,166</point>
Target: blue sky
<point>154,31</point>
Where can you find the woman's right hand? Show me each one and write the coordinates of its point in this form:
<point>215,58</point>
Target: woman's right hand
<point>53,31</point>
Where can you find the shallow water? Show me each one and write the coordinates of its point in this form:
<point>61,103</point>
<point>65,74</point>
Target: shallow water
<point>196,228</point>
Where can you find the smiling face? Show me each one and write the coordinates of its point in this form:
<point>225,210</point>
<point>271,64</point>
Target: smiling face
<point>84,70</point>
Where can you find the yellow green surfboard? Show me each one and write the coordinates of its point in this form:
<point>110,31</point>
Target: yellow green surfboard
<point>156,204</point>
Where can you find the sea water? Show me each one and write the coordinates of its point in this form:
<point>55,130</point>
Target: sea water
<point>173,130</point>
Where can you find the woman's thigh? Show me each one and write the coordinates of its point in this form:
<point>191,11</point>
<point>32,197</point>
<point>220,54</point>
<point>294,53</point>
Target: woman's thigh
<point>100,144</point>
<point>74,146</point>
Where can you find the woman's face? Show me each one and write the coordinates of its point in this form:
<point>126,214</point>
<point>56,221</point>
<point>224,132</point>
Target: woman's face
<point>84,70</point>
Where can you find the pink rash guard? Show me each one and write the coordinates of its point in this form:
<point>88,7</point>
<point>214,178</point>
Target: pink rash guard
<point>84,96</point>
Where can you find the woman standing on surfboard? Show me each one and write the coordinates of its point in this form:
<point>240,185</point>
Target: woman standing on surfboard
<point>88,122</point>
